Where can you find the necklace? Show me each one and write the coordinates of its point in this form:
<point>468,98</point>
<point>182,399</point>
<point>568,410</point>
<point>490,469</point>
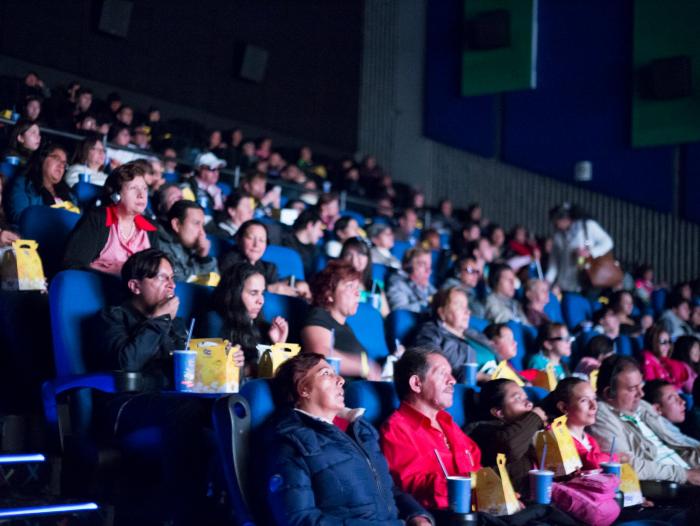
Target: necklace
<point>124,236</point>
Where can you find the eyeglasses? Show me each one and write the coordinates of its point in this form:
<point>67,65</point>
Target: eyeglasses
<point>665,342</point>
<point>471,270</point>
<point>561,339</point>
<point>205,167</point>
<point>58,159</point>
<point>163,278</point>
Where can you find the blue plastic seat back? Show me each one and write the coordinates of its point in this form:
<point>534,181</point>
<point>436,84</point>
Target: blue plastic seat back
<point>523,335</point>
<point>553,309</point>
<point>478,324</point>
<point>400,248</point>
<point>219,245</point>
<point>463,408</point>
<point>86,193</point>
<point>378,398</point>
<point>368,326</point>
<point>292,309</point>
<point>225,188</point>
<point>320,262</point>
<point>623,344</point>
<point>50,228</point>
<point>259,395</point>
<point>287,259</point>
<point>575,309</point>
<point>380,272</point>
<point>171,177</point>
<point>8,170</point>
<point>195,303</point>
<point>402,325</point>
<point>355,215</point>
<point>658,301</point>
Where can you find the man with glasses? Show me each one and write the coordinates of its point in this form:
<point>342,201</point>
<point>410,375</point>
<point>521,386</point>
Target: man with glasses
<point>204,184</point>
<point>655,454</point>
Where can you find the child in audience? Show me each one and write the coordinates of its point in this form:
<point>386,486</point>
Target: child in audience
<point>504,347</point>
<point>358,253</point>
<point>556,344</point>
<point>596,350</point>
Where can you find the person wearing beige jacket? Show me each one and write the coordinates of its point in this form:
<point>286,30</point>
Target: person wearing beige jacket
<point>637,428</point>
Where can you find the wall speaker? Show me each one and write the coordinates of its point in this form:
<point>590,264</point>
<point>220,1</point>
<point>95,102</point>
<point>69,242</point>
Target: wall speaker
<point>667,78</point>
<point>115,17</point>
<point>250,62</point>
<point>487,30</point>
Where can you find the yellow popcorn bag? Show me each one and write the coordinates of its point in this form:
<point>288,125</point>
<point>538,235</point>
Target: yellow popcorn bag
<point>272,356</point>
<point>67,205</point>
<point>210,279</point>
<point>630,486</point>
<point>494,493</point>
<point>593,379</point>
<point>215,371</point>
<point>546,379</point>
<point>21,267</point>
<point>504,371</point>
<point>562,457</point>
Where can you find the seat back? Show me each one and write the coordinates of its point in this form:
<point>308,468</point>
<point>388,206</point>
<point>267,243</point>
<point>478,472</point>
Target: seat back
<point>525,336</point>
<point>378,398</point>
<point>355,215</point>
<point>400,248</point>
<point>219,245</point>
<point>50,228</point>
<point>575,309</point>
<point>553,309</point>
<point>86,193</point>
<point>287,259</point>
<point>195,303</point>
<point>292,309</point>
<point>402,325</point>
<point>478,324</point>
<point>380,272</point>
<point>368,326</point>
<point>258,393</point>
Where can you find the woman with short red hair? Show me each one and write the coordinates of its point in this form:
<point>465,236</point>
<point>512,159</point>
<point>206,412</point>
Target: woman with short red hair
<point>336,295</point>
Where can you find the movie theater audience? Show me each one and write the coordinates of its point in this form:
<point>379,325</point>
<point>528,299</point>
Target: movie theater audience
<point>410,287</point>
<point>88,162</point>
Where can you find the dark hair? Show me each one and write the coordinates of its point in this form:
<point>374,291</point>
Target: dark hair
<point>652,335</point>
<point>598,346</point>
<point>325,282</point>
<point>356,244</point>
<point>179,210</point>
<point>243,229</point>
<point>442,298</point>
<point>682,347</point>
<point>602,313</point>
<point>342,224</point>
<point>610,369</point>
<point>562,393</point>
<point>227,300</point>
<point>82,149</point>
<point>35,170</point>
<point>115,129</point>
<point>493,330</point>
<point>143,264</point>
<point>492,395</point>
<point>616,300</point>
<point>496,270</point>
<point>566,210</point>
<point>125,173</point>
<point>652,390</point>
<point>676,299</point>
<point>307,216</point>
<point>547,331</point>
<point>289,375</point>
<point>20,127</point>
<point>326,198</point>
<point>413,362</point>
<point>234,198</point>
<point>410,255</point>
<point>83,91</point>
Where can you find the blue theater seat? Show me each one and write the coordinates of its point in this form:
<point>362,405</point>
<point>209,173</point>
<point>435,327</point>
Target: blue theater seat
<point>368,326</point>
<point>292,309</point>
<point>575,309</point>
<point>288,261</point>
<point>403,325</point>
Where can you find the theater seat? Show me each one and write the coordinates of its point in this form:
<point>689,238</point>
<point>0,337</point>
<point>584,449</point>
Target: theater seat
<point>86,193</point>
<point>400,248</point>
<point>292,309</point>
<point>380,272</point>
<point>288,261</point>
<point>402,325</point>
<point>553,309</point>
<point>378,398</point>
<point>368,326</point>
<point>575,309</point>
<point>50,228</point>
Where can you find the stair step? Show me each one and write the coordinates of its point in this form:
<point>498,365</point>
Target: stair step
<point>22,458</point>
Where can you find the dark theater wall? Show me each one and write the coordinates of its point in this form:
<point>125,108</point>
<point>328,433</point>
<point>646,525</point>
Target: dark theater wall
<point>183,52</point>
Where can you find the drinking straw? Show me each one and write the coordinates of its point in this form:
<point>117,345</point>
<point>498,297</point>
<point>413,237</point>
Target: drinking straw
<point>444,470</point>
<point>374,287</point>
<point>397,344</point>
<point>292,280</point>
<point>544,456</point>
<point>332,341</point>
<point>189,335</point>
<point>539,269</point>
<point>469,456</point>
<point>612,449</point>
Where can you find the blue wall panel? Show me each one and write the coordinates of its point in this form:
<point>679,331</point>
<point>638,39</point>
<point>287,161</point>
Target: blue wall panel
<point>466,123</point>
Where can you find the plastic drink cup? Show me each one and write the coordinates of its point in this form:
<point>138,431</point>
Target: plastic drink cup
<point>459,494</point>
<point>376,301</point>
<point>334,362</point>
<point>184,370</point>
<point>84,177</point>
<point>611,467</point>
<point>470,374</point>
<point>12,159</point>
<point>541,486</point>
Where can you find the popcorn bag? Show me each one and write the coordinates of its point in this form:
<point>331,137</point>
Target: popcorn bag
<point>593,379</point>
<point>215,371</point>
<point>67,205</point>
<point>494,493</point>
<point>562,457</point>
<point>210,279</point>
<point>21,268</point>
<point>272,356</point>
<point>630,486</point>
<point>504,371</point>
<point>546,379</point>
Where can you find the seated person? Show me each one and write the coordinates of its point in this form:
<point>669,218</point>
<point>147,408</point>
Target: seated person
<point>185,242</point>
<point>666,401</point>
<point>449,331</point>
<point>622,303</point>
<point>41,184</point>
<point>556,344</point>
<point>336,295</point>
<point>7,234</point>
<point>421,426</point>
<point>504,348</point>
<point>307,230</point>
<point>606,322</point>
<point>501,305</point>
<point>139,336</point>
<point>24,140</point>
<point>255,185</point>
<point>657,362</point>
<point>382,238</point>
<point>166,196</point>
<point>238,209</point>
<point>676,318</point>
<point>507,423</point>
<point>407,224</point>
<point>537,295</point>
<point>595,351</point>
<point>107,236</point>
<point>639,432</point>
<point>344,228</point>
<point>328,209</point>
<point>410,288</point>
<point>203,184</point>
<point>357,252</point>
<point>324,465</point>
<point>239,299</point>
<point>251,243</point>
<point>467,276</point>
<point>89,159</point>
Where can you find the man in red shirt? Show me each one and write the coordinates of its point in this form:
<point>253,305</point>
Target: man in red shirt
<point>409,438</point>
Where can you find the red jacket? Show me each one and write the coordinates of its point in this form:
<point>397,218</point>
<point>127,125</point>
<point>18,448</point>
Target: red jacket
<point>408,443</point>
<point>592,459</point>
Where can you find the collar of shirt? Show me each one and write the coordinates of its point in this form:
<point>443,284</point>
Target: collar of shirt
<point>318,418</point>
<point>141,222</point>
<point>419,419</point>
